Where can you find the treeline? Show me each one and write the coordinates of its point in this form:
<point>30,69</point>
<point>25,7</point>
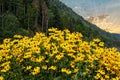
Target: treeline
<point>25,17</point>
<point>20,16</point>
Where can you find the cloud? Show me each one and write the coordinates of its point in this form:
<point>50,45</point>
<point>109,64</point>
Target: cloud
<point>76,7</point>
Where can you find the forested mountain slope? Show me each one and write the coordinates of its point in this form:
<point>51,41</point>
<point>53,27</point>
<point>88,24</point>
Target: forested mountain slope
<point>75,22</point>
<point>28,16</point>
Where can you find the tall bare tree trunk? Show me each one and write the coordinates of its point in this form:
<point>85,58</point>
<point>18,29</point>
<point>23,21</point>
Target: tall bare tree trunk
<point>44,25</point>
<point>36,5</point>
<point>44,16</point>
<point>2,15</point>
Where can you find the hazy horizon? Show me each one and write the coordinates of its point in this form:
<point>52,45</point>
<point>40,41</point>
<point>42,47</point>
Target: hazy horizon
<point>96,8</point>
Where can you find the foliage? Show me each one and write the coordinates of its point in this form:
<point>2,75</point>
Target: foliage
<point>60,55</point>
<point>11,25</point>
<point>25,15</point>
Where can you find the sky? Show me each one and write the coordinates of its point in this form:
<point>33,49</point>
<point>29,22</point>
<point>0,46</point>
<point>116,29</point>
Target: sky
<point>95,8</point>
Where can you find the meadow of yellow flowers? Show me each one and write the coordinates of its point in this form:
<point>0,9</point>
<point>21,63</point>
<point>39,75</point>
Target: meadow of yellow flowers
<point>60,55</point>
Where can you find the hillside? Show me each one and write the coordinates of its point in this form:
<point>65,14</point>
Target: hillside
<point>27,17</point>
<point>76,22</point>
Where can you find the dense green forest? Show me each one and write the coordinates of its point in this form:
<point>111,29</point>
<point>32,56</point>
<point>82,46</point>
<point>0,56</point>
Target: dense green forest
<point>26,17</point>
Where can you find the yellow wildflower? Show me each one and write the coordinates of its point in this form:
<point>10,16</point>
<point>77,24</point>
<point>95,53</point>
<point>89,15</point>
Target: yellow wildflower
<point>76,70</point>
<point>27,55</point>
<point>52,68</point>
<point>44,67</point>
<point>18,36</point>
<point>36,70</point>
<point>101,44</point>
<point>96,40</point>
<point>40,59</point>
<point>1,78</point>
<point>97,76</point>
<point>106,76</point>
<point>6,68</point>
<point>28,67</point>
